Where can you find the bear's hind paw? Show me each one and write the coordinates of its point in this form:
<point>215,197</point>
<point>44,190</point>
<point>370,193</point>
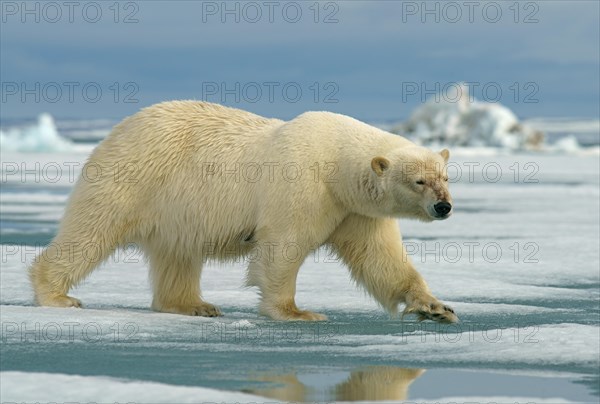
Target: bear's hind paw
<point>59,301</point>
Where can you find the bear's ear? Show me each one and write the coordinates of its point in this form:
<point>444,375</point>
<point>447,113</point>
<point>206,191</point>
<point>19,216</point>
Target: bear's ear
<point>379,165</point>
<point>445,155</point>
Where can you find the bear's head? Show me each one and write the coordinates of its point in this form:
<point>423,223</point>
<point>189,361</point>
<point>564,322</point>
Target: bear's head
<point>412,182</point>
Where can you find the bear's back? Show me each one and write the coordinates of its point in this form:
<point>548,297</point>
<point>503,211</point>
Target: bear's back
<point>182,120</point>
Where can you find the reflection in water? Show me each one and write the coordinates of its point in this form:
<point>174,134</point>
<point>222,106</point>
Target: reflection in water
<point>368,384</point>
<point>377,383</point>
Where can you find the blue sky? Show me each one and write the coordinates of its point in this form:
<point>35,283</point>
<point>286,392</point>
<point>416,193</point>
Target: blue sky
<point>373,60</point>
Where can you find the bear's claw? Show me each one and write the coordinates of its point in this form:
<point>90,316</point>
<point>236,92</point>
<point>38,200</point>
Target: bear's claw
<point>202,309</point>
<point>207,310</point>
<point>435,311</point>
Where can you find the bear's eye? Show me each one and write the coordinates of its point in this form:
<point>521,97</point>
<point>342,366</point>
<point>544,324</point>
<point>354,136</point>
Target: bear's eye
<point>421,182</point>
<point>446,179</point>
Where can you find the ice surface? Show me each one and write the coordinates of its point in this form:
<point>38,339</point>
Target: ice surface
<point>495,400</point>
<point>34,387</point>
<point>532,310</point>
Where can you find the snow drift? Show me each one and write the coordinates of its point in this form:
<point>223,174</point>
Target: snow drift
<point>42,137</point>
<point>464,121</point>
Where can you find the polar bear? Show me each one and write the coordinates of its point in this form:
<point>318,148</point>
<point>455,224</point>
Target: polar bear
<point>191,181</point>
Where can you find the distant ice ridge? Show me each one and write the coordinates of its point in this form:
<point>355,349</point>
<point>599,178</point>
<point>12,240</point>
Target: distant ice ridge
<point>461,120</point>
<point>42,137</point>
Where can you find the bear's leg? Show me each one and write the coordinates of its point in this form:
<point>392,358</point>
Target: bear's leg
<point>72,256</point>
<point>176,285</point>
<point>275,273</point>
<point>372,248</point>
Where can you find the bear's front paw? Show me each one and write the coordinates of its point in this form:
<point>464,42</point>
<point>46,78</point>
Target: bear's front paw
<point>306,315</point>
<point>298,315</point>
<point>431,309</point>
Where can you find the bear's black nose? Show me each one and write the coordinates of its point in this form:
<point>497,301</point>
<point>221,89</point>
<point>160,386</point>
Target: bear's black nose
<point>442,208</point>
